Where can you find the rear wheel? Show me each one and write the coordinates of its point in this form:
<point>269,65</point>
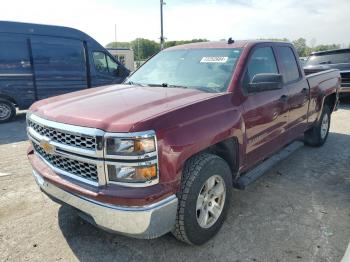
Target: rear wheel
<point>317,136</point>
<point>7,111</point>
<point>204,199</point>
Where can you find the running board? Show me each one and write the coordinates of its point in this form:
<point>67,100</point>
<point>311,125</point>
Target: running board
<point>252,175</point>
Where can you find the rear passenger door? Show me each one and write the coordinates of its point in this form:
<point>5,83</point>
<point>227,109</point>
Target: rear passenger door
<point>59,65</point>
<point>298,90</point>
<point>266,112</point>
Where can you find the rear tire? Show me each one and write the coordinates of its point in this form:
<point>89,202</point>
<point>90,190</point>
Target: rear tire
<point>204,199</point>
<point>7,111</point>
<point>317,135</point>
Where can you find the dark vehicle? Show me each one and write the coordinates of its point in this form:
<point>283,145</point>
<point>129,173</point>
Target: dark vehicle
<point>40,61</point>
<point>162,151</point>
<point>333,59</point>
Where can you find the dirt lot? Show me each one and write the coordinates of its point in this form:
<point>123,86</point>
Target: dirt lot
<point>299,211</point>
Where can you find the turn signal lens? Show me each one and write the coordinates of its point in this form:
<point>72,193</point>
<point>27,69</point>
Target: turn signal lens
<point>132,174</point>
<point>145,145</point>
<point>146,173</point>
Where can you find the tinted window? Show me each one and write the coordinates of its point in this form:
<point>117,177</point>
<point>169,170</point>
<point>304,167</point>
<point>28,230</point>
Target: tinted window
<point>112,66</point>
<point>334,58</point>
<point>56,55</point>
<point>209,70</point>
<point>261,61</point>
<point>104,63</point>
<point>14,56</point>
<point>289,63</point>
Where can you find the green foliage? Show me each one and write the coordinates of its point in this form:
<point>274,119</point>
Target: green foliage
<point>118,45</point>
<point>182,42</point>
<point>144,48</point>
<point>276,39</point>
<point>326,47</point>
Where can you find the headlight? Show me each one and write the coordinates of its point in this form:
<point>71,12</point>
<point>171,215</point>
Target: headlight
<point>130,146</point>
<point>132,174</point>
<point>132,159</point>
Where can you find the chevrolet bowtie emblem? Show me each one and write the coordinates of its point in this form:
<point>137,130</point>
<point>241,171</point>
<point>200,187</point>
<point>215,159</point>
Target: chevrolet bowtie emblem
<point>47,147</point>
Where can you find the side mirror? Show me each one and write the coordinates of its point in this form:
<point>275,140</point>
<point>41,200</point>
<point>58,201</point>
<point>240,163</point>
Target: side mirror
<point>265,82</point>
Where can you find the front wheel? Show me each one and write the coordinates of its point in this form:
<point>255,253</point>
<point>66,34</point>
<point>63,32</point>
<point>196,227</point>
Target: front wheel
<point>204,199</point>
<point>7,111</point>
<point>317,136</point>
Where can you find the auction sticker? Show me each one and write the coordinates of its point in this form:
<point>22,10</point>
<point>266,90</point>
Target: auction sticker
<point>214,59</point>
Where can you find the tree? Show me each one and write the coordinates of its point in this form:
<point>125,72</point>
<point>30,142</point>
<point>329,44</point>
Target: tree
<point>326,47</point>
<point>301,47</point>
<point>144,48</point>
<point>182,42</point>
<point>118,45</point>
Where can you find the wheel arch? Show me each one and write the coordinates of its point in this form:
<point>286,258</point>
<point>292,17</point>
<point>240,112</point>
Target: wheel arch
<point>227,149</point>
<point>4,97</point>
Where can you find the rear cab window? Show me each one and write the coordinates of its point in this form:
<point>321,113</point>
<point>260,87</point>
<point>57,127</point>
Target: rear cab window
<point>289,64</point>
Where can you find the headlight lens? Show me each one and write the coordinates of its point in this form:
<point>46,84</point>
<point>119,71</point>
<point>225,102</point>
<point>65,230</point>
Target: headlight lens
<point>132,146</point>
<point>132,174</point>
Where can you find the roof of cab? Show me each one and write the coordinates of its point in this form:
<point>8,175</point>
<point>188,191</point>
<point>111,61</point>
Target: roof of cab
<point>220,44</point>
<point>38,29</point>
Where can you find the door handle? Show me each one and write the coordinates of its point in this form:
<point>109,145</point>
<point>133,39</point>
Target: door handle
<point>284,98</point>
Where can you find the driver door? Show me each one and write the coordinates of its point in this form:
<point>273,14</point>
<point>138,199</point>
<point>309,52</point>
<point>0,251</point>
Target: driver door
<point>265,112</point>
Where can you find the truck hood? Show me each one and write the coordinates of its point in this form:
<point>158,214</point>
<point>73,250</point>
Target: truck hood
<point>117,108</point>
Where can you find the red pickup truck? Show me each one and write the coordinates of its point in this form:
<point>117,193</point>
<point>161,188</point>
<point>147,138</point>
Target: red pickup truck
<point>161,152</point>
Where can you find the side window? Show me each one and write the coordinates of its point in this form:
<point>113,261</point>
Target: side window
<point>112,66</point>
<point>58,55</point>
<point>262,61</point>
<point>100,62</point>
<point>14,56</point>
<point>104,63</point>
<point>289,63</point>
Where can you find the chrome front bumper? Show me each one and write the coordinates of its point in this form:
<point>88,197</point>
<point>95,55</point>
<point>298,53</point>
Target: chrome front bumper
<point>140,222</point>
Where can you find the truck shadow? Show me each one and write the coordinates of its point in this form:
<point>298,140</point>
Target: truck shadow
<point>14,131</point>
<point>287,207</point>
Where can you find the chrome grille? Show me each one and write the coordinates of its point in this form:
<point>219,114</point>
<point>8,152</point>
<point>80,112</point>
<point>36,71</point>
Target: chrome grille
<point>66,138</point>
<point>82,169</point>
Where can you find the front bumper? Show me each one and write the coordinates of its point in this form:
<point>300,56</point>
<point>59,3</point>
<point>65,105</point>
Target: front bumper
<point>145,222</point>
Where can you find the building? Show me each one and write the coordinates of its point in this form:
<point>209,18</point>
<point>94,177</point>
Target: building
<point>124,55</point>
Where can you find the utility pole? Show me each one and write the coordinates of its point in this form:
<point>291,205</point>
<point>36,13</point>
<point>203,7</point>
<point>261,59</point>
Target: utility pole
<point>161,25</point>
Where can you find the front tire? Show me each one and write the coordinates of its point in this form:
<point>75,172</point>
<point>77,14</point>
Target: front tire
<point>204,199</point>
<point>7,111</point>
<point>317,136</point>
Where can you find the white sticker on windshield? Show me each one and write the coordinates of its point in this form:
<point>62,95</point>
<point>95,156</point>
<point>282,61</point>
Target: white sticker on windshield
<point>214,59</point>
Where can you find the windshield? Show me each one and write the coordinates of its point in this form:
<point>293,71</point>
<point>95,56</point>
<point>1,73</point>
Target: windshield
<point>334,58</point>
<point>209,70</point>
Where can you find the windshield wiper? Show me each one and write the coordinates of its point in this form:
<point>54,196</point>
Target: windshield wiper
<point>134,83</point>
<point>173,86</point>
<point>167,85</point>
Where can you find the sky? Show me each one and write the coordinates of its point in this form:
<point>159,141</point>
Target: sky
<point>319,21</point>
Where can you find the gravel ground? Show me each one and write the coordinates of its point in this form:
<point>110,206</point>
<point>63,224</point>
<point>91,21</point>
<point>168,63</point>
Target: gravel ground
<point>299,211</point>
